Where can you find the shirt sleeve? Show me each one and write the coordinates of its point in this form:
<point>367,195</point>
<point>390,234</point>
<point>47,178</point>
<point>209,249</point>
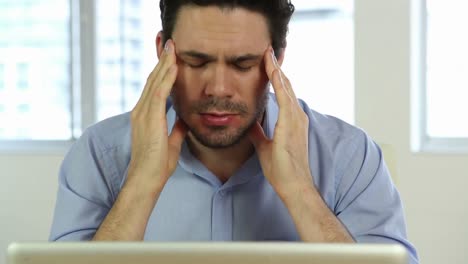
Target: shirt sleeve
<point>367,202</point>
<point>85,194</point>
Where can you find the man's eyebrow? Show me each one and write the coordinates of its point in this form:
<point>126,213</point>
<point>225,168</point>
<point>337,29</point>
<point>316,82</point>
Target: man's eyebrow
<point>231,59</point>
<point>197,55</point>
<point>246,57</point>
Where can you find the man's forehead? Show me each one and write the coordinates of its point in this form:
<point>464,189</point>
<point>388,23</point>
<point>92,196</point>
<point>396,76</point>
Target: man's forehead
<point>212,30</point>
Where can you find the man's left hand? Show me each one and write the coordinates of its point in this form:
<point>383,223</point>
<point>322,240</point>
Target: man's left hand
<point>285,158</point>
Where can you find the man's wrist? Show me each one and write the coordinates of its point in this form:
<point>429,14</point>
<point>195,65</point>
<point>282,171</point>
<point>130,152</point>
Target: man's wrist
<point>295,191</point>
<point>143,187</point>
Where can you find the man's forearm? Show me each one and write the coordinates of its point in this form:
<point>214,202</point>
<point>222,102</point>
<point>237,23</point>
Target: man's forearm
<point>129,216</point>
<point>313,219</point>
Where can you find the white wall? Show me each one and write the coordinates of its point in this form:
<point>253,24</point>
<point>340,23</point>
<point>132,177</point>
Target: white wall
<point>432,186</point>
<point>27,197</point>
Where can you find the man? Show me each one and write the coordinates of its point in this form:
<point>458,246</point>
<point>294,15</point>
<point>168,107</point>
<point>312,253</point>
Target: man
<point>209,154</point>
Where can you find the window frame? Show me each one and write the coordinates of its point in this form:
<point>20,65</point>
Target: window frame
<point>421,141</point>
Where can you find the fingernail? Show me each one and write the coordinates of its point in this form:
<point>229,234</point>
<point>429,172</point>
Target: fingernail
<point>167,46</point>
<point>274,57</point>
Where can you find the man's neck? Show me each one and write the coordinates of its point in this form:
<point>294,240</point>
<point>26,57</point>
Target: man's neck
<point>223,162</point>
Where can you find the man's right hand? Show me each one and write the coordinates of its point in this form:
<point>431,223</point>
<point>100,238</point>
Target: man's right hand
<point>154,155</point>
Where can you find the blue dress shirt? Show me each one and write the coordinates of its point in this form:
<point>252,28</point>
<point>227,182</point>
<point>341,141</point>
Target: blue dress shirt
<point>347,167</point>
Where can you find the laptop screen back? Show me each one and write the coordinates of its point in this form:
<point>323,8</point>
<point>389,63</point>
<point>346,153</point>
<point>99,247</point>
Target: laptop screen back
<point>204,252</point>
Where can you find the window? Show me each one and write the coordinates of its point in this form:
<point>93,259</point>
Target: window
<point>320,56</point>
<point>34,71</point>
<point>445,126</point>
<point>126,53</point>
<point>62,72</point>
<point>2,78</point>
<point>22,75</point>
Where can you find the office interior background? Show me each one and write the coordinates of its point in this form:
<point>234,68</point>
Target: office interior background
<point>398,69</point>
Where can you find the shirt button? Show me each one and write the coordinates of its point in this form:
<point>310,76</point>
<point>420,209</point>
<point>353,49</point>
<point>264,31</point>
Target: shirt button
<point>222,193</point>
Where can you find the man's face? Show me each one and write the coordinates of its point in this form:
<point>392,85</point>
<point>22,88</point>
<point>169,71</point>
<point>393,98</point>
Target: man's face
<point>221,86</point>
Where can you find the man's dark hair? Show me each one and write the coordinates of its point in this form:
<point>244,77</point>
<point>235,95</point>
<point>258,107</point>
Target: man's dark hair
<point>277,12</point>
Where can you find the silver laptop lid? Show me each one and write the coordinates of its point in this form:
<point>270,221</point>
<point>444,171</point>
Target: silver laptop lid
<point>204,252</point>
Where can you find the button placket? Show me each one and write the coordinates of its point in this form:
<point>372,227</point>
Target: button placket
<point>221,224</point>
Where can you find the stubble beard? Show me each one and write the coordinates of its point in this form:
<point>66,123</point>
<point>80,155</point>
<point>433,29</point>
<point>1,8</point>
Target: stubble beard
<point>221,136</point>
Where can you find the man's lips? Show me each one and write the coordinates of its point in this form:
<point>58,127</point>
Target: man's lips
<point>217,118</point>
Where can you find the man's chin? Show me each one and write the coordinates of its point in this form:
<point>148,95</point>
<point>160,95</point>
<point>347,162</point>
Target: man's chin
<point>219,138</point>
<point>217,141</point>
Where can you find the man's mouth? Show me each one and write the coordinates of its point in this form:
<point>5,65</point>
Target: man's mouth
<point>218,118</point>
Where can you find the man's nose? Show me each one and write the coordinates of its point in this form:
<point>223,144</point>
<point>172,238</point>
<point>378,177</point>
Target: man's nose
<point>219,84</point>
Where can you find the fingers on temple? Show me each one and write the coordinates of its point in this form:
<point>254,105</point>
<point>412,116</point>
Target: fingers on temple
<point>281,84</point>
<point>161,79</point>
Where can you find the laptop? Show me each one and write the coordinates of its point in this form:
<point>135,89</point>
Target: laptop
<point>204,253</point>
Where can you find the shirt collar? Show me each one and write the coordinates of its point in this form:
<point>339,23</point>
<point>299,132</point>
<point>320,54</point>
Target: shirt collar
<point>248,170</point>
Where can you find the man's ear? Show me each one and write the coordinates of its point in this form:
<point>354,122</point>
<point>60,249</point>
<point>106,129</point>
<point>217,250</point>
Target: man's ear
<point>159,44</point>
